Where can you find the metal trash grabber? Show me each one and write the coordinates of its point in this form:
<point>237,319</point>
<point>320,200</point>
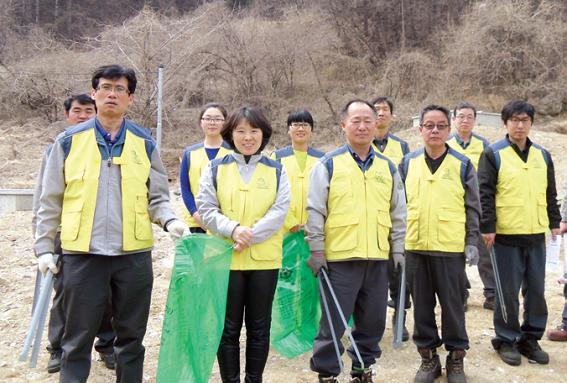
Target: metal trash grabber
<point>498,285</point>
<point>36,290</point>
<point>399,325</point>
<point>333,334</point>
<point>345,323</point>
<point>37,322</point>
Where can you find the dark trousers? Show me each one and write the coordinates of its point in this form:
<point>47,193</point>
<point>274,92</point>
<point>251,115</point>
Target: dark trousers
<point>250,296</point>
<point>394,275</point>
<point>517,266</point>
<point>88,281</point>
<point>361,288</point>
<point>56,324</point>
<point>432,278</point>
<point>485,272</point>
<point>565,306</point>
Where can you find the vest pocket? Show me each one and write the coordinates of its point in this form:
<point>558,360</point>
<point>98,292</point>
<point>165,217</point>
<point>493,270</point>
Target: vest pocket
<point>71,220</point>
<point>143,225</point>
<point>412,231</point>
<point>341,232</point>
<point>543,219</point>
<point>384,226</point>
<point>451,228</point>
<point>510,214</point>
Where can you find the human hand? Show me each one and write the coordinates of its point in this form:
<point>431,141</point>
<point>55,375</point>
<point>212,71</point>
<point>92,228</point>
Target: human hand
<point>471,254</point>
<point>242,237</point>
<point>47,262</point>
<point>563,227</point>
<point>555,233</point>
<point>399,260</point>
<point>317,261</point>
<point>489,239</point>
<point>296,228</point>
<point>177,229</point>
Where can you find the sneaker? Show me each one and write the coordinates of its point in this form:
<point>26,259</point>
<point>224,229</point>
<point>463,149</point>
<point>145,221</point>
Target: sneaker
<point>430,368</point>
<point>531,350</point>
<point>489,303</point>
<point>109,359</point>
<point>509,354</point>
<point>558,334</point>
<point>327,379</point>
<point>455,367</point>
<point>54,363</point>
<point>361,376</point>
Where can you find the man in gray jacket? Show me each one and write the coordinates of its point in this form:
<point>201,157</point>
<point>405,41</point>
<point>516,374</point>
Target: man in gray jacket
<point>105,184</point>
<point>356,217</point>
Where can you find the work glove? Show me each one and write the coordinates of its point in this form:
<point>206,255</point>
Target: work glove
<point>46,262</point>
<point>399,260</point>
<point>471,254</point>
<point>317,261</point>
<point>177,229</point>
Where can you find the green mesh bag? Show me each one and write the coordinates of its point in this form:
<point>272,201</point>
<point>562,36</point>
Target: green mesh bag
<point>195,309</point>
<point>296,310</point>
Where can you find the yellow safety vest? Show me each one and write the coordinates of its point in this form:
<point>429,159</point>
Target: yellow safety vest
<point>473,150</point>
<point>521,203</point>
<point>358,220</point>
<point>299,183</point>
<point>247,203</point>
<point>436,213</point>
<point>82,171</point>
<point>198,161</point>
<point>394,149</point>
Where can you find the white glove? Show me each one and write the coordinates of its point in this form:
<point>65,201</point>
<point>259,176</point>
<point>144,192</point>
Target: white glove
<point>471,253</point>
<point>399,259</point>
<point>177,229</point>
<point>46,262</point>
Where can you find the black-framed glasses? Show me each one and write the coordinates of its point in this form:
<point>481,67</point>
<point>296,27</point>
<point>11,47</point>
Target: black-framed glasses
<point>431,126</point>
<point>108,88</point>
<point>210,120</point>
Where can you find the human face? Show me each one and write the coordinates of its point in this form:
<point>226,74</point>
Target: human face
<point>300,132</point>
<point>112,97</point>
<point>435,129</point>
<point>79,113</point>
<point>384,115</point>
<point>246,138</point>
<point>518,127</point>
<point>464,121</point>
<point>212,122</point>
<point>359,125</point>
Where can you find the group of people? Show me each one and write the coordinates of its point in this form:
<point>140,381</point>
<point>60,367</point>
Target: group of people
<point>369,210</point>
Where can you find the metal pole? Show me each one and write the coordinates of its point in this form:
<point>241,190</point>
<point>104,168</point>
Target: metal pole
<point>159,106</point>
<point>401,309</point>
<point>499,291</point>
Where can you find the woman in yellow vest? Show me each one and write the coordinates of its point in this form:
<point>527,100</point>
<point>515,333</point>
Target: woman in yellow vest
<point>298,160</point>
<point>244,197</point>
<point>196,157</point>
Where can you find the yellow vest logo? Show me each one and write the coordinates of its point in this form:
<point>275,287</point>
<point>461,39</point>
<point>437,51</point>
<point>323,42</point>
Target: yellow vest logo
<point>262,184</point>
<point>447,175</point>
<point>136,158</point>
<point>380,178</point>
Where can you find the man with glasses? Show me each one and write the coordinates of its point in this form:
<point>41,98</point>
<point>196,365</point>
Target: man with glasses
<point>394,148</point>
<point>106,186</point>
<point>442,232</point>
<point>518,195</point>
<point>465,141</point>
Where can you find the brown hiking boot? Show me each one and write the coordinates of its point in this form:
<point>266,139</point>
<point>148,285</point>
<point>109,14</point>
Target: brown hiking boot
<point>361,376</point>
<point>430,367</point>
<point>455,367</point>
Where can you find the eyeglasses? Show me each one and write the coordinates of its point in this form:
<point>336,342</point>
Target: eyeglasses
<point>297,125</point>
<point>464,118</point>
<point>209,120</point>
<point>517,121</point>
<point>431,126</point>
<point>108,88</point>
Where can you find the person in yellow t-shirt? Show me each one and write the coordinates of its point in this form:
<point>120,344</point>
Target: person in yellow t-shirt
<point>298,160</point>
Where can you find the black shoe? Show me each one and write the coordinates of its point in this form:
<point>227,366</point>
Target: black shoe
<point>531,350</point>
<point>109,359</point>
<point>391,303</point>
<point>54,363</point>
<point>327,379</point>
<point>509,354</point>
<point>430,368</point>
<point>361,376</point>
<point>455,367</point>
<point>489,303</point>
<point>405,332</point>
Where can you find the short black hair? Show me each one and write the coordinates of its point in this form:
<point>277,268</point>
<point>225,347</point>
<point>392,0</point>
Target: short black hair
<point>300,115</point>
<point>384,100</point>
<point>254,117</point>
<point>344,110</point>
<point>114,72</point>
<point>464,105</point>
<point>214,105</point>
<point>82,99</point>
<point>432,107</point>
<point>515,107</point>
